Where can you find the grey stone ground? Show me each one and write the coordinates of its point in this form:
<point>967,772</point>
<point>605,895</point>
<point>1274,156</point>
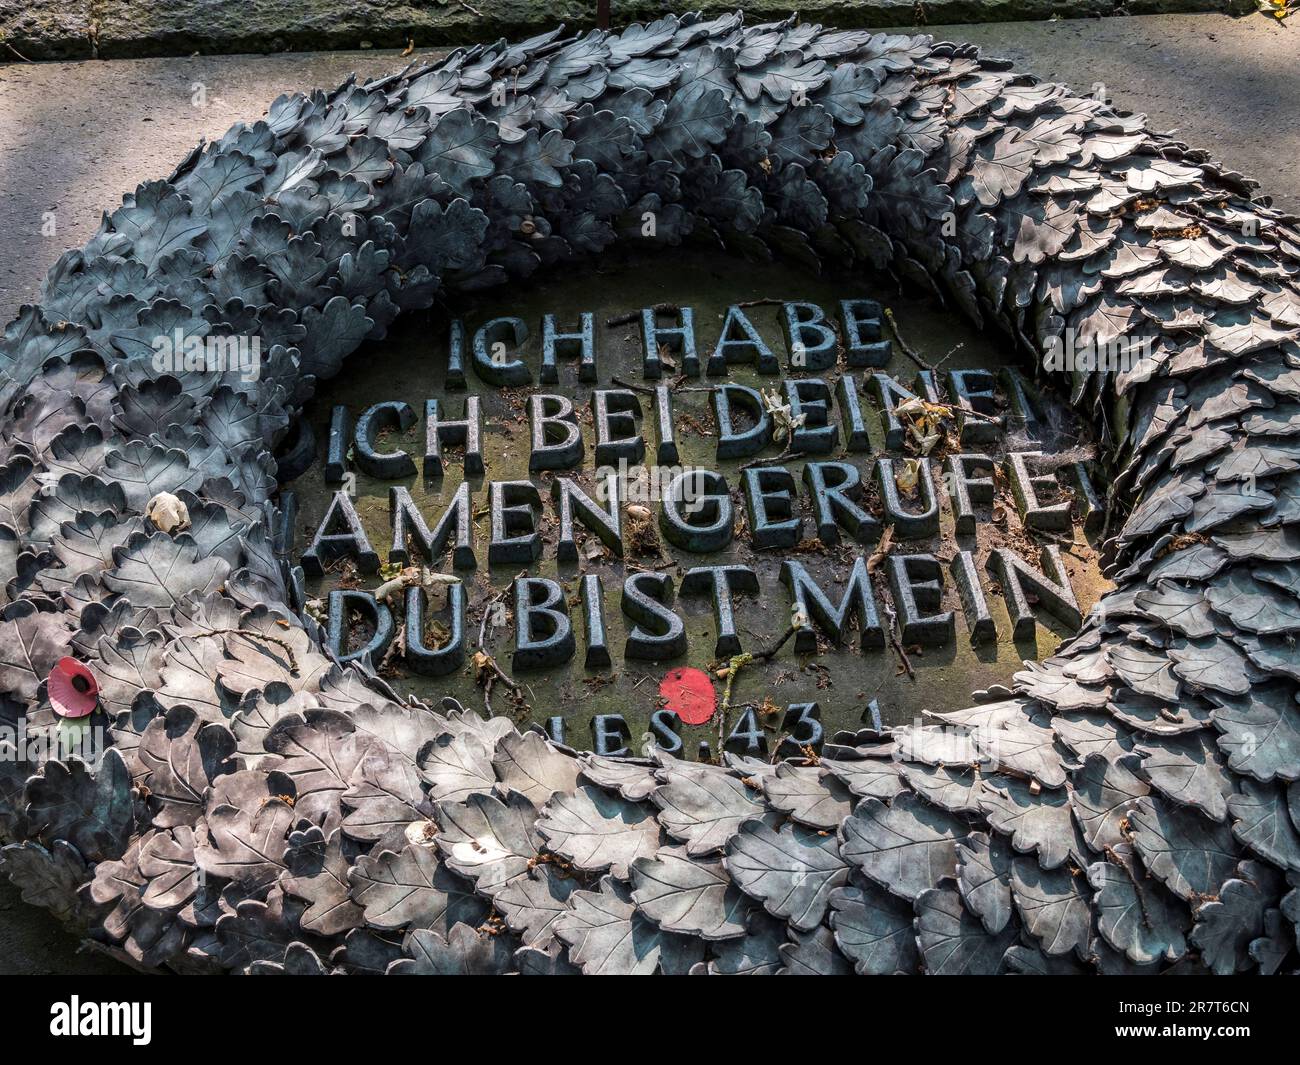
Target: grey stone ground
<point>116,29</point>
<point>74,136</point>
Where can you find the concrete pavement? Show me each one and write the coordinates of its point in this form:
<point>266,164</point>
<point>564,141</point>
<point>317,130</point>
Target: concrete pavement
<point>129,29</point>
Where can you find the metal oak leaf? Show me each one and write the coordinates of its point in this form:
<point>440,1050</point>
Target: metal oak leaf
<point>597,831</point>
<point>1260,820</point>
<point>318,874</point>
<point>460,149</point>
<point>906,847</point>
<point>1189,770</point>
<point>682,894</point>
<point>984,878</point>
<point>46,877</point>
<point>1103,796</point>
<point>405,729</point>
<point>1192,856</point>
<point>704,808</point>
<point>189,677</point>
<point>873,929</point>
<point>1136,916</point>
<point>462,952</point>
<point>129,665</point>
<point>875,778</point>
<point>85,546</point>
<point>552,961</point>
<point>955,788</point>
<point>456,767</point>
<point>695,121</point>
<point>157,570</point>
<point>1254,606</point>
<point>254,932</point>
<point>488,840</point>
<point>1228,926</point>
<point>757,953</point>
<point>1261,733</point>
<point>848,92</point>
<point>1030,961</point>
<point>1088,733</point>
<point>118,884</point>
<point>531,904</point>
<point>299,960</point>
<point>167,863</point>
<point>1023,748</point>
<point>246,846</point>
<point>321,752</point>
<point>413,888</point>
<point>385,794</point>
<point>810,796</point>
<point>608,936</point>
<point>526,763</point>
<point>814,953</point>
<point>92,811</point>
<point>157,222</point>
<point>143,470</point>
<point>791,871</point>
<point>952,941</point>
<point>1054,906</point>
<point>1000,172</point>
<point>631,780</point>
<point>182,756</point>
<point>30,644</point>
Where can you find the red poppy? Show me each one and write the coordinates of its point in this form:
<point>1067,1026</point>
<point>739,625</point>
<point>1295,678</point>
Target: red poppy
<point>73,689</point>
<point>689,694</point>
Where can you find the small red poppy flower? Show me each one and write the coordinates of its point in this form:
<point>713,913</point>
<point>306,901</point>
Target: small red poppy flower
<point>73,689</point>
<point>688,693</point>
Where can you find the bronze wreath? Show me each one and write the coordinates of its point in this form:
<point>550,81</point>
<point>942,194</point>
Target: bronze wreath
<point>264,810</point>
